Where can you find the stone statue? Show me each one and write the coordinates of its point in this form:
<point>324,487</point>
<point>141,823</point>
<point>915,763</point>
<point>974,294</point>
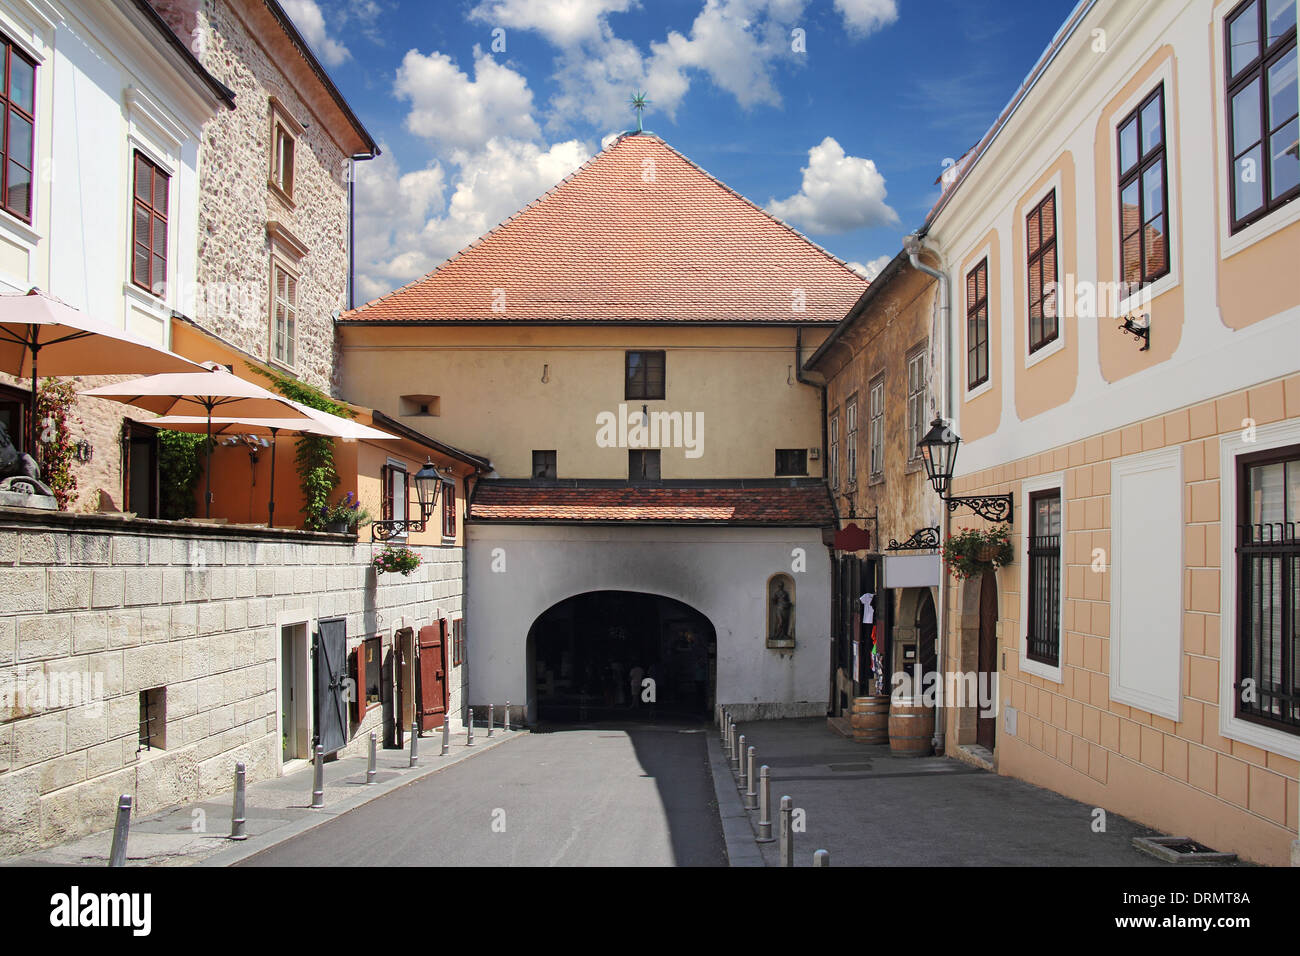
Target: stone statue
<point>780,613</point>
<point>20,482</point>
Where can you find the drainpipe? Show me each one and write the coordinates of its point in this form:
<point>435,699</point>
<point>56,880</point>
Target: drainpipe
<point>912,245</point>
<point>830,549</point>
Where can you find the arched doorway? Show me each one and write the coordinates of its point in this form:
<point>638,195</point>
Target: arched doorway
<point>590,657</point>
<point>927,636</point>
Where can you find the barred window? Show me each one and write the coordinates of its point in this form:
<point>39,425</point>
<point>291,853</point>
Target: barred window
<point>1044,625</point>
<point>1268,589</point>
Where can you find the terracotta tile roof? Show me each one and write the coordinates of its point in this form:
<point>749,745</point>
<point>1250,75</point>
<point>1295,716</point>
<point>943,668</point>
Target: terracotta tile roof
<point>605,245</point>
<point>795,505</point>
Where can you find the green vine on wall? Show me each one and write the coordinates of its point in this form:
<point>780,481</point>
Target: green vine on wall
<point>179,469</point>
<point>54,449</point>
<point>315,455</point>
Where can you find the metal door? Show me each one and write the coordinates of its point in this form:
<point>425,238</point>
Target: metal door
<point>330,657</point>
<point>433,675</point>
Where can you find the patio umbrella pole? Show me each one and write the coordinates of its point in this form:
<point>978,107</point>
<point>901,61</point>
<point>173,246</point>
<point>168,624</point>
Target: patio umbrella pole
<point>207,472</point>
<point>270,507</point>
<point>31,429</point>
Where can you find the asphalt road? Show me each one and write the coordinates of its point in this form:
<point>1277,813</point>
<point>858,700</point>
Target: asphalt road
<point>602,795</point>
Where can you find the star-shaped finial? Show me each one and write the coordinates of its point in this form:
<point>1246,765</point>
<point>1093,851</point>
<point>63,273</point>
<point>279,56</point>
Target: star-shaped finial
<point>639,103</point>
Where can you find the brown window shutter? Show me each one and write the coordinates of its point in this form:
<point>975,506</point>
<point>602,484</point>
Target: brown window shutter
<point>386,478</point>
<point>361,681</point>
<point>449,509</point>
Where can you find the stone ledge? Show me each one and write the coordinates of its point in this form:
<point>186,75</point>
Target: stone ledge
<point>26,519</point>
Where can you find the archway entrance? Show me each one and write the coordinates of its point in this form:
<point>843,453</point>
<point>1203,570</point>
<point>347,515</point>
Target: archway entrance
<point>590,657</point>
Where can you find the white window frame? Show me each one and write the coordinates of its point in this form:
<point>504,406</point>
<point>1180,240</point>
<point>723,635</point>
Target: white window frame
<point>876,428</point>
<point>1173,215</point>
<point>278,266</point>
<point>834,462</point>
<point>1022,213</point>
<point>851,439</point>
<point>1232,445</point>
<point>1052,482</point>
<point>920,353</point>
<point>1229,243</point>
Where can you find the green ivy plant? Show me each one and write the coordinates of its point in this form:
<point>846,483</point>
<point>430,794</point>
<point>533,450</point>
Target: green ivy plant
<point>315,455</point>
<point>180,466</point>
<point>54,447</point>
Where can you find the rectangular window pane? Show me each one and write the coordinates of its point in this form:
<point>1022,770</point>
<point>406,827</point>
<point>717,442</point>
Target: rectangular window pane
<point>1130,210</point>
<point>1284,172</point>
<point>1243,38</point>
<point>1153,130</point>
<point>1128,151</point>
<point>19,195</point>
<point>140,265</point>
<point>22,83</point>
<point>143,180</point>
<point>1246,127</point>
<point>1248,187</point>
<point>20,139</point>
<point>1279,17</point>
<point>1153,196</point>
<point>1283,100</point>
<point>1033,237</point>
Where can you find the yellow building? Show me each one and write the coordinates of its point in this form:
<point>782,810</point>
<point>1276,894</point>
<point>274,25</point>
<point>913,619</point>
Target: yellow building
<point>627,351</point>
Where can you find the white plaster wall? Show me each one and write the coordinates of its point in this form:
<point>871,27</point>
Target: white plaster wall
<point>721,572</point>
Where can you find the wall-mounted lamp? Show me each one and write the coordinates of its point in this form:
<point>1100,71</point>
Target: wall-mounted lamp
<point>939,452</point>
<point>1138,326</point>
<point>428,482</point>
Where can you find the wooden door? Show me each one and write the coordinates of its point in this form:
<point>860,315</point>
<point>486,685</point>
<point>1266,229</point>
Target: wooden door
<point>987,728</point>
<point>433,675</point>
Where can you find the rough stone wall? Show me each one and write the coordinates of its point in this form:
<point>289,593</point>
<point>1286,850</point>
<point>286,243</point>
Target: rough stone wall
<point>91,615</point>
<point>232,295</point>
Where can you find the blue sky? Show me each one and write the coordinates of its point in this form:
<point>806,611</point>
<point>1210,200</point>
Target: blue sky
<point>843,138</point>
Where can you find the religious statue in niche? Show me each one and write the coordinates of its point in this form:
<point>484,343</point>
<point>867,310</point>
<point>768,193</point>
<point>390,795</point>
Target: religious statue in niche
<point>780,611</point>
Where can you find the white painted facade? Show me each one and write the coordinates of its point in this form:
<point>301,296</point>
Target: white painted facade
<point>719,571</point>
<point>107,85</point>
<point>1211,359</point>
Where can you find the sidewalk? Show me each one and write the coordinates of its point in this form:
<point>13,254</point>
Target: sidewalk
<point>868,808</point>
<point>276,810</point>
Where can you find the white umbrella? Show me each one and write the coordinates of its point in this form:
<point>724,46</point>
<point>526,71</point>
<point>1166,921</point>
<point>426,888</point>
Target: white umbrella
<point>340,427</point>
<point>186,393</point>
<point>67,341</point>
<point>300,426</point>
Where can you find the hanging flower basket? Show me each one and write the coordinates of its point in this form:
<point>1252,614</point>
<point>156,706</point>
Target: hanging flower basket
<point>401,560</point>
<point>972,552</point>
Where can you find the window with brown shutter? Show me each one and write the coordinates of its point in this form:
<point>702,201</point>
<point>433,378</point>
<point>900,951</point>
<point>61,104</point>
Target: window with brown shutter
<point>149,226</point>
<point>457,642</point>
<point>386,481</point>
<point>449,509</point>
<point>1040,241</point>
<point>977,325</point>
<point>18,99</point>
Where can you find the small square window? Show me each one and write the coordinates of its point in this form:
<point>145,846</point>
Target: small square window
<point>791,461</point>
<point>644,375</point>
<point>153,719</point>
<point>643,465</point>
<point>544,465</point>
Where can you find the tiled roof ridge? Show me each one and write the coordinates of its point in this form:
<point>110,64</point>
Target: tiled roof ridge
<point>603,153</point>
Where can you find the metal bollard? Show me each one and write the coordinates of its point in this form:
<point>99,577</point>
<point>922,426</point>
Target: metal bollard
<point>469,729</point>
<point>751,794</point>
<point>764,806</point>
<point>821,858</point>
<point>318,780</point>
<point>726,737</point>
<point>787,837</point>
<point>415,739</point>
<point>121,831</point>
<point>370,767</point>
<point>446,735</point>
<point>506,726</point>
<point>740,763</point>
<point>491,717</point>
<point>735,751</point>
<point>238,830</point>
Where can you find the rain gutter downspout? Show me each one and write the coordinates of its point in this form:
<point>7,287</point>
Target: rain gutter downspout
<point>913,245</point>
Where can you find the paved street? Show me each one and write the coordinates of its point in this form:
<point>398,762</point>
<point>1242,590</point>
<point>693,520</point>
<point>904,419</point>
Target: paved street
<point>602,795</point>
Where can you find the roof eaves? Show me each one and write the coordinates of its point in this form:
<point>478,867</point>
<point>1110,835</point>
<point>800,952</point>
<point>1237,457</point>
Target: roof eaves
<point>478,461</point>
<point>218,89</point>
<point>886,275</point>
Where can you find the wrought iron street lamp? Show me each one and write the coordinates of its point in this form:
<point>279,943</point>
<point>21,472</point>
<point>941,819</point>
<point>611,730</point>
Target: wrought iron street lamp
<point>428,482</point>
<point>939,452</point>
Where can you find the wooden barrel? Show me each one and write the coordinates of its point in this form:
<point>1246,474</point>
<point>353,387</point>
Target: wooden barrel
<point>870,719</point>
<point>911,726</point>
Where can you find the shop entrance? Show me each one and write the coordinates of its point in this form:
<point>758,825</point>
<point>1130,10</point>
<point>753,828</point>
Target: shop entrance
<point>622,655</point>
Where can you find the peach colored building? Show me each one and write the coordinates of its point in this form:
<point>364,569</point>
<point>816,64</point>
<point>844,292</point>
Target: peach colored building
<point>1146,637</point>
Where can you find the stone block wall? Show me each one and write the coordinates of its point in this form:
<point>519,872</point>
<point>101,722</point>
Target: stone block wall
<point>94,610</point>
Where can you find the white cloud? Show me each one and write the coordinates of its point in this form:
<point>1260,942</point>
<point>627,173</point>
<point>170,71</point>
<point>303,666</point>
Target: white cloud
<point>870,269</point>
<point>456,112</point>
<point>309,20</point>
<point>867,16</point>
<point>839,193</point>
<point>563,22</point>
<point>406,225</point>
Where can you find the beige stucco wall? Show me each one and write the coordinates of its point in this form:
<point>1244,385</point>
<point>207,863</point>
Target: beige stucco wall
<point>492,399</point>
<point>1184,777</point>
